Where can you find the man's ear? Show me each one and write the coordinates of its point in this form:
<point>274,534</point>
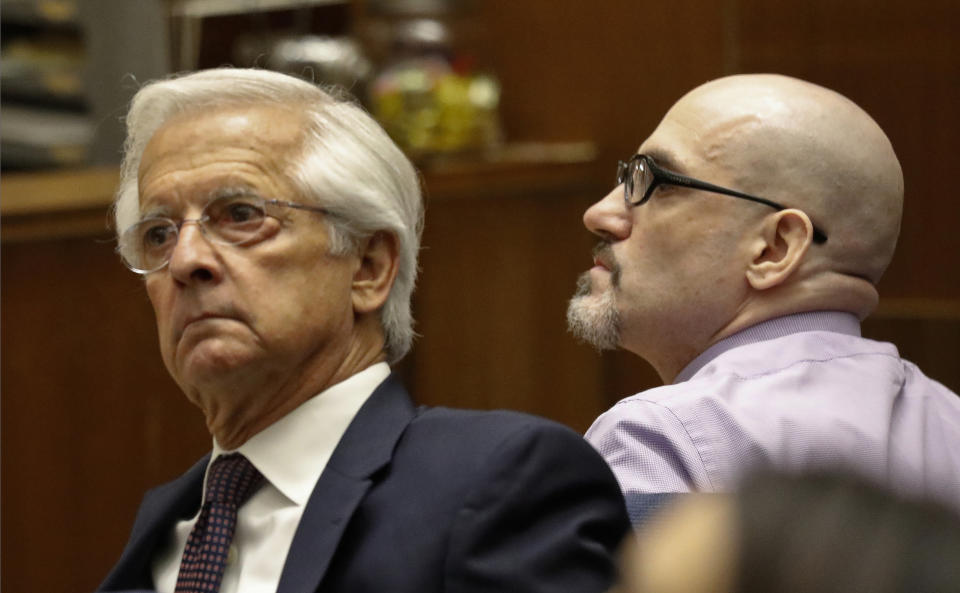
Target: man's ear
<point>378,268</point>
<point>783,242</point>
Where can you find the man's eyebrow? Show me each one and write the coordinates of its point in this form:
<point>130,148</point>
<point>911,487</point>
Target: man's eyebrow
<point>231,191</point>
<point>165,210</point>
<point>155,211</point>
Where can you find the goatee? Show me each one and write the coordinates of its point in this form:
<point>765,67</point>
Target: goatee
<point>594,318</point>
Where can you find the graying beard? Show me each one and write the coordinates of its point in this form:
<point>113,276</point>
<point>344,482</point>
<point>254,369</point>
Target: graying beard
<point>594,320</point>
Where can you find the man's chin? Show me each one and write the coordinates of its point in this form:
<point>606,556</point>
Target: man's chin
<point>211,361</point>
<point>594,319</point>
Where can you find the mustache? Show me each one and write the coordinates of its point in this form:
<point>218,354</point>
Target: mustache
<point>603,253</point>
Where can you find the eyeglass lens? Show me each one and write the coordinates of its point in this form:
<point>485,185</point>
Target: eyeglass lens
<point>148,245</point>
<point>625,178</point>
<point>636,178</point>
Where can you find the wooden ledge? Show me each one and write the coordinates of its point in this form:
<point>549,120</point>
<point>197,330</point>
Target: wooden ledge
<point>56,204</point>
<point>76,203</point>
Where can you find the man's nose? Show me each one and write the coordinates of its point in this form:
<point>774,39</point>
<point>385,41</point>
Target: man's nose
<point>611,217</point>
<point>193,257</point>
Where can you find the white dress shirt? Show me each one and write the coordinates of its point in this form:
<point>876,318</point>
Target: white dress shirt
<point>291,454</point>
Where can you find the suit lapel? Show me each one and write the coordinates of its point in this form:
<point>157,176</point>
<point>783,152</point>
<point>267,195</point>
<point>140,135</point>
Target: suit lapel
<point>366,446</point>
<point>161,508</point>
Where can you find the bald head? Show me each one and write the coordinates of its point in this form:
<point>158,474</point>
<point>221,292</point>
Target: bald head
<point>686,268</point>
<point>807,147</point>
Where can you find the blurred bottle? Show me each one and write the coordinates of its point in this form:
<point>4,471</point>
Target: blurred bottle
<point>322,59</point>
<point>429,92</point>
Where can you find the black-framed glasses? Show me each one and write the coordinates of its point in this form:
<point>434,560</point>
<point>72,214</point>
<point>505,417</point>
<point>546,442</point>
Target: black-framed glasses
<point>148,245</point>
<point>640,176</point>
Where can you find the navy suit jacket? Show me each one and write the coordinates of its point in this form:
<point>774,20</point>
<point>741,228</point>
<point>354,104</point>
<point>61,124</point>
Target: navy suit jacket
<point>431,499</point>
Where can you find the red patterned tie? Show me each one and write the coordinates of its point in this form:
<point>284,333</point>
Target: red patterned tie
<point>231,481</point>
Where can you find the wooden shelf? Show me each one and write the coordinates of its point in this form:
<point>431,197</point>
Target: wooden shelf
<point>52,205</point>
<point>206,8</point>
<point>913,308</point>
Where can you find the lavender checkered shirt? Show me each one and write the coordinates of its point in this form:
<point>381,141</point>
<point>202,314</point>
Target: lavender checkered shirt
<point>798,392</point>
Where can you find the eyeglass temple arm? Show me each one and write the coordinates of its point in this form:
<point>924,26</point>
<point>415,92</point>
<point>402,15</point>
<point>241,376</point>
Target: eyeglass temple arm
<point>819,236</point>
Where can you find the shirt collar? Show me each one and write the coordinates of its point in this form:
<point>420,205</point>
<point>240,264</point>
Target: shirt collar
<point>292,452</point>
<point>831,321</point>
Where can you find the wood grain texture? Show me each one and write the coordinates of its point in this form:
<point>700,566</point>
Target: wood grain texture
<point>497,274</point>
<point>90,418</point>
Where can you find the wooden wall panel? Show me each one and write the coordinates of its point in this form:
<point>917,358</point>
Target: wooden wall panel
<point>90,418</point>
<point>496,277</point>
<point>600,71</point>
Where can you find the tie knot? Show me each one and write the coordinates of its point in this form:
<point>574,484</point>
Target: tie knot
<point>232,480</point>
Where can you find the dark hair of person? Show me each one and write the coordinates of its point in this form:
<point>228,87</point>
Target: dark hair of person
<point>828,532</point>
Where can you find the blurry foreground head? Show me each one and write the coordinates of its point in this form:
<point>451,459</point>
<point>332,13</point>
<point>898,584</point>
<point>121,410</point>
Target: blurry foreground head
<point>826,533</point>
<point>803,215</point>
<point>277,228</point>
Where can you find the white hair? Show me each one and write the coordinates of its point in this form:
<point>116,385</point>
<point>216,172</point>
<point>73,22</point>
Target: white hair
<point>347,164</point>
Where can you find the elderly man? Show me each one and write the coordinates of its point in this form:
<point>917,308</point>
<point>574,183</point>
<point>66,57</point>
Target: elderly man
<point>277,231</point>
<point>738,254</point>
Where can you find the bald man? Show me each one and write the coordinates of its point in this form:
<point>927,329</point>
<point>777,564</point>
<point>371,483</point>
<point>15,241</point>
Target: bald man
<point>738,254</point>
